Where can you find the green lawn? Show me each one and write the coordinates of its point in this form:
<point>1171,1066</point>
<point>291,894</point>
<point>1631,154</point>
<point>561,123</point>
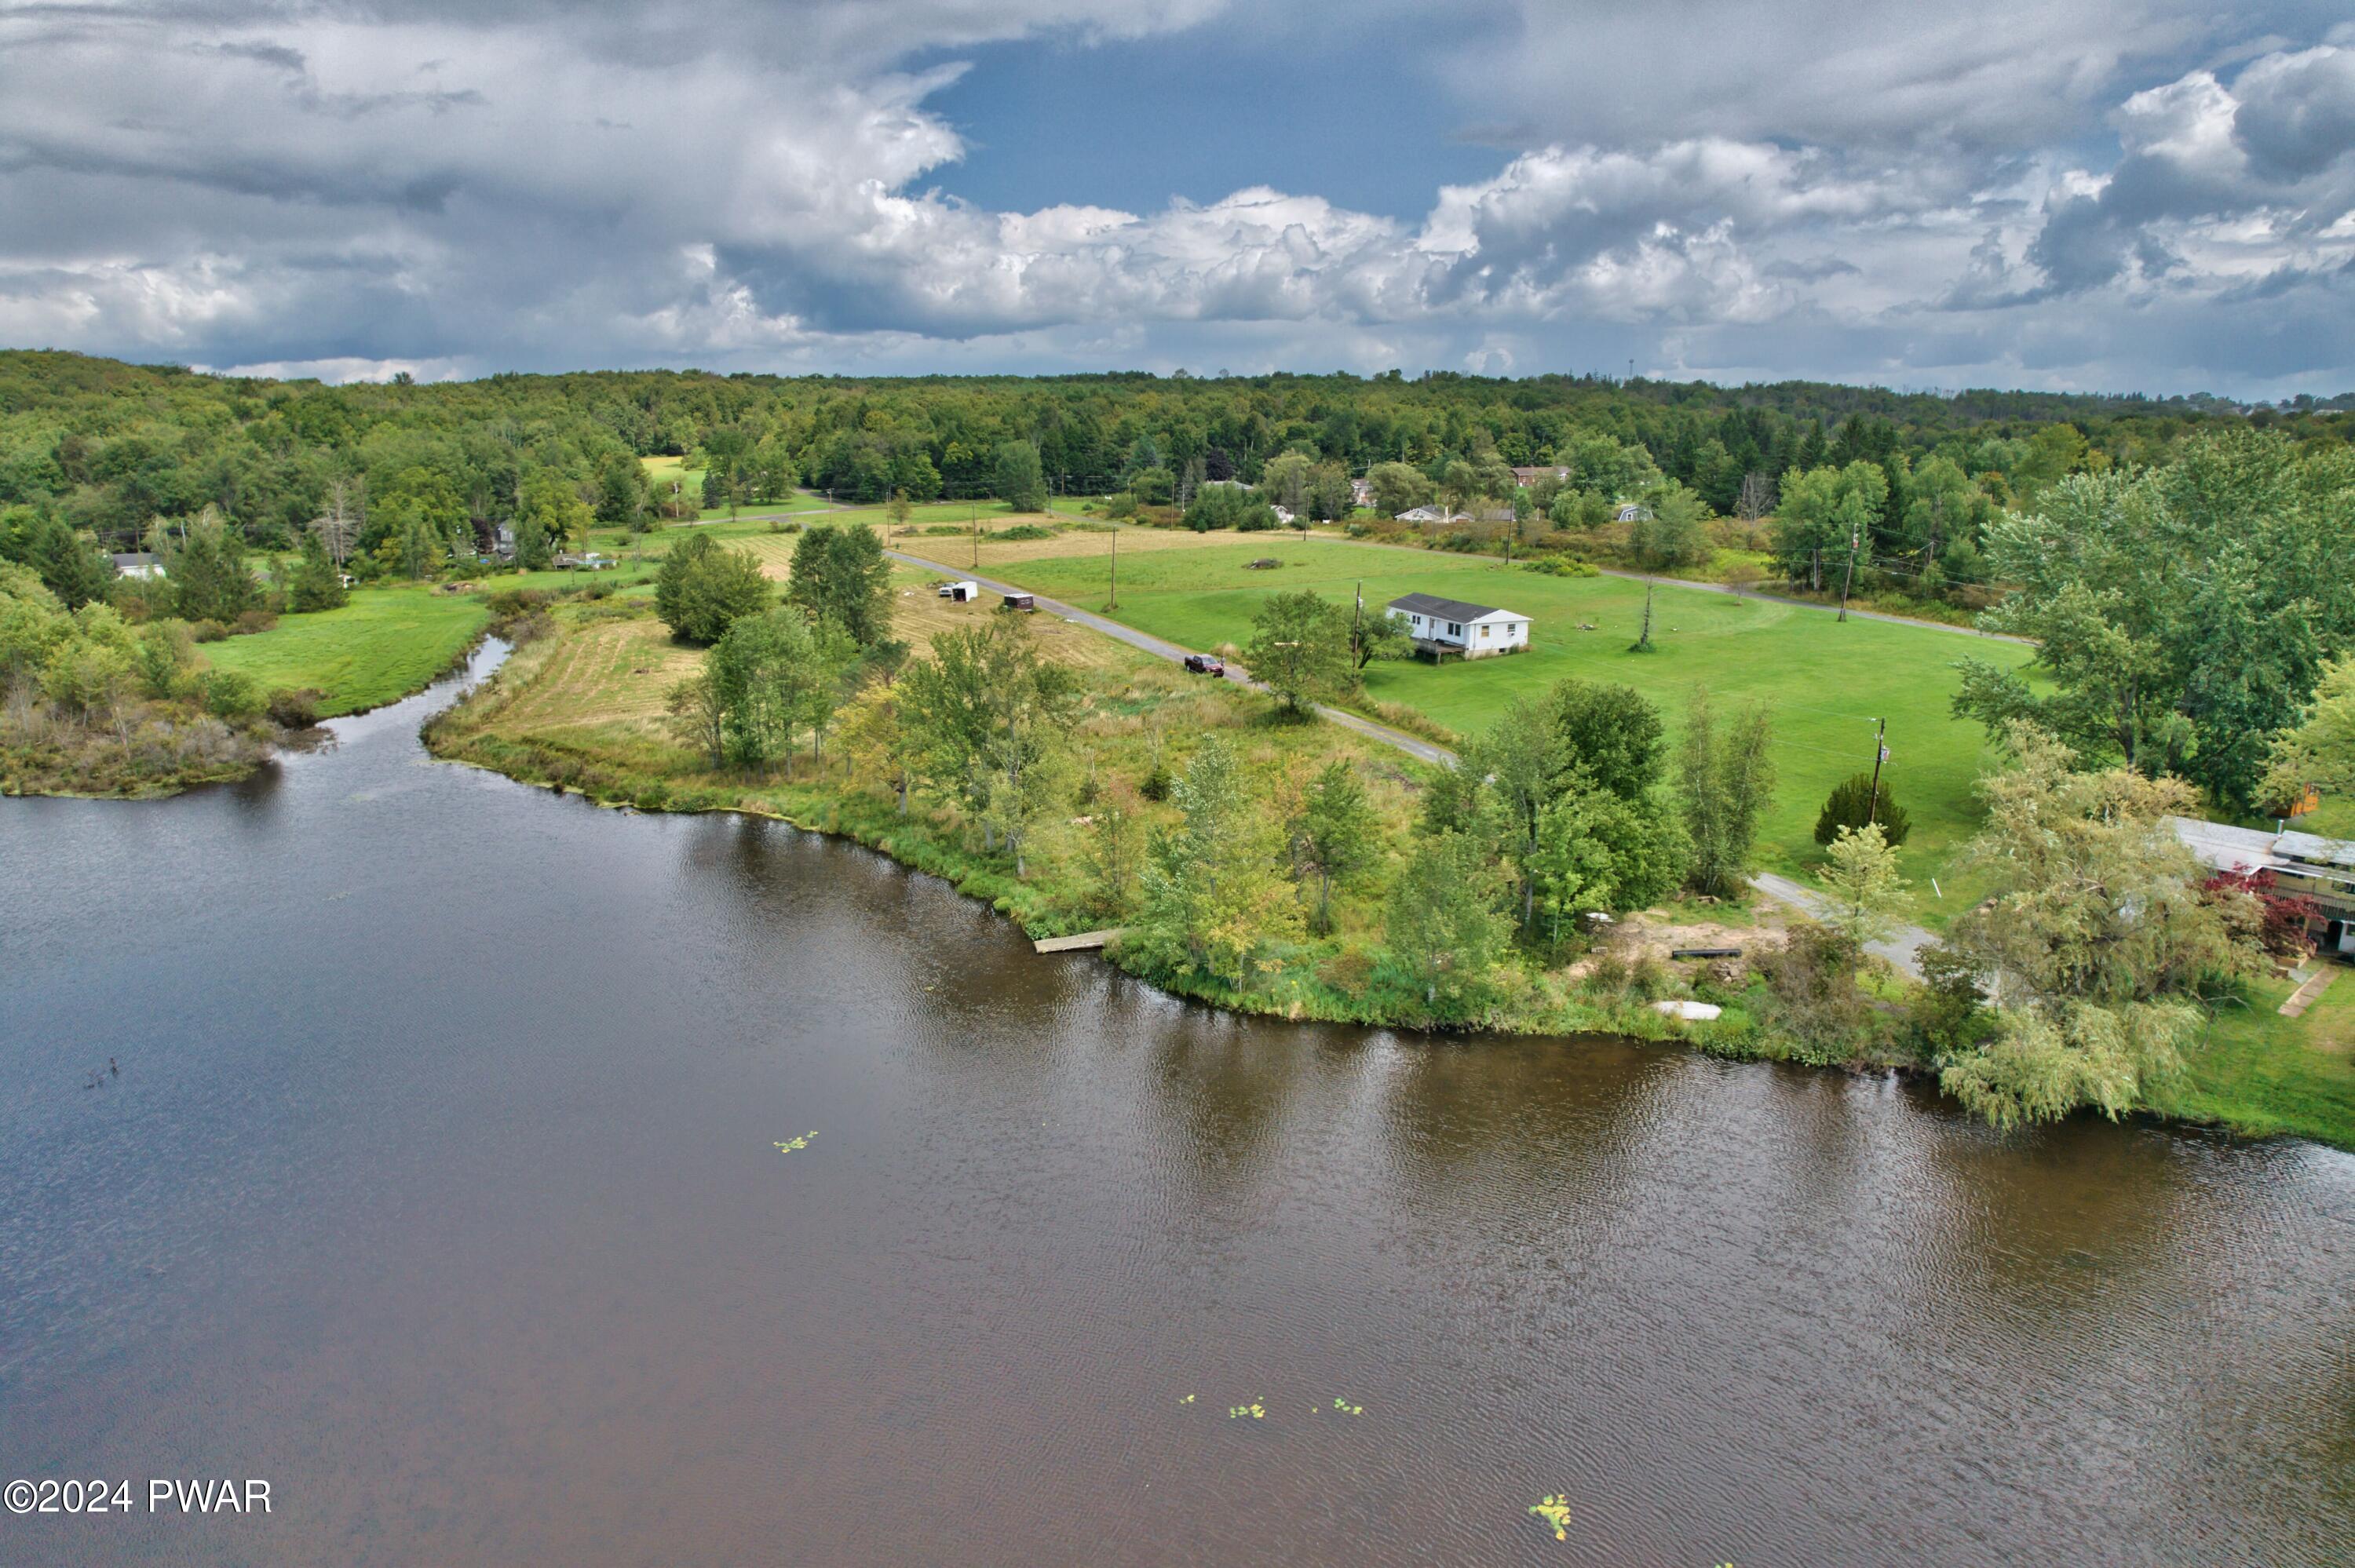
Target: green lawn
<point>386,643</point>
<point>2264,1073</point>
<point>1826,681</point>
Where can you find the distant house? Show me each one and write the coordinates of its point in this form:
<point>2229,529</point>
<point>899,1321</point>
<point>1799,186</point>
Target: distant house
<point>1428,514</point>
<point>138,563</point>
<point>1361,492</point>
<point>2304,865</point>
<point>1443,626</point>
<point>1632,511</point>
<point>591,562</point>
<point>1282,514</point>
<point>1525,477</point>
<point>503,541</point>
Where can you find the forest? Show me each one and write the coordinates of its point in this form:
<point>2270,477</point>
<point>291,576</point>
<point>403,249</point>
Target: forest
<point>109,448</point>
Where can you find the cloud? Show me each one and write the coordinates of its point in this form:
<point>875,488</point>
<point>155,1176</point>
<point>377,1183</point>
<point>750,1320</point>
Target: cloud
<point>2246,179</point>
<point>441,186</point>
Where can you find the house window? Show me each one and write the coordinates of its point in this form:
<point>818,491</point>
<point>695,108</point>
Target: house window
<point>1454,629</point>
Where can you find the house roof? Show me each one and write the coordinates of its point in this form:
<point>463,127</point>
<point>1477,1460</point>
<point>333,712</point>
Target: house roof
<point>135,558</point>
<point>1449,608</point>
<point>2227,848</point>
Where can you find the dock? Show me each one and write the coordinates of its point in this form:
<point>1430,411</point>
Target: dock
<point>1086,941</point>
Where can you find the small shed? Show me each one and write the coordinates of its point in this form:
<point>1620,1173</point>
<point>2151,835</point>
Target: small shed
<point>1021,601</point>
<point>138,563</point>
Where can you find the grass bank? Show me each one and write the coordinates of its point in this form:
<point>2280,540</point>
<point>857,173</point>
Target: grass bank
<point>385,644</point>
<point>583,709</point>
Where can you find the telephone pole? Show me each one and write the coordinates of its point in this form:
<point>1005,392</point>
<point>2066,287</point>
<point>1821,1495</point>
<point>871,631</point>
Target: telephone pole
<point>1880,755</point>
<point>1849,576</point>
<point>1113,602</point>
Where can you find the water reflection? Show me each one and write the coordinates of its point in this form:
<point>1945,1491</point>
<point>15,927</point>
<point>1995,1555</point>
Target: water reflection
<point>440,1186</point>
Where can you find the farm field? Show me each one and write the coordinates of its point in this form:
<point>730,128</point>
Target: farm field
<point>386,643</point>
<point>663,472</point>
<point>1825,680</point>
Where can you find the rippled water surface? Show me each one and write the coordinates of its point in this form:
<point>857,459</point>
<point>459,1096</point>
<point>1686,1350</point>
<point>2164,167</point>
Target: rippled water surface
<point>440,1187</point>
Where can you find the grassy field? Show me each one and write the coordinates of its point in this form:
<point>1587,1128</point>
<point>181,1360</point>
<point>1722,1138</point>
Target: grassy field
<point>383,645</point>
<point>2264,1073</point>
<point>663,472</point>
<point>1826,681</point>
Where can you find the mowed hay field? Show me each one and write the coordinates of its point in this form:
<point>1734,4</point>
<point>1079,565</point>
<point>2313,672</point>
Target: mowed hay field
<point>613,669</point>
<point>384,644</point>
<point>1826,681</point>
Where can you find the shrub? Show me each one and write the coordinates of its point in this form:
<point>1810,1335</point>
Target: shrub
<point>1850,805</point>
<point>292,708</point>
<point>232,695</point>
<point>207,630</point>
<point>1022,531</point>
<point>1560,566</point>
<point>253,620</point>
<point>517,601</point>
<point>1817,997</point>
<point>1155,785</point>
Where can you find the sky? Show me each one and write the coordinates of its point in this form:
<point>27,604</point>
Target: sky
<point>2152,195</point>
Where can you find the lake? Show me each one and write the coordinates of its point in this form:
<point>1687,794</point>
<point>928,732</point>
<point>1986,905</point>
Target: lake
<point>439,1186</point>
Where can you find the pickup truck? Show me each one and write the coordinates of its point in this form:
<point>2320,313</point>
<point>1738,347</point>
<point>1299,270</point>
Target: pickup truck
<point>1204,664</point>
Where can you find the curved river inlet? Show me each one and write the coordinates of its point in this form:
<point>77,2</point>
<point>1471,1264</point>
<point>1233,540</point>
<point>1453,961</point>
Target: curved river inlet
<point>440,1187</point>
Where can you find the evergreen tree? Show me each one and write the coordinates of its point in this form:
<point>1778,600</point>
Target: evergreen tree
<point>210,576</point>
<point>71,565</point>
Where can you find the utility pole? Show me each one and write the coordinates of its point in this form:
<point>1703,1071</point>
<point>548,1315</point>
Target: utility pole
<point>1880,755</point>
<point>1114,603</point>
<point>1849,576</point>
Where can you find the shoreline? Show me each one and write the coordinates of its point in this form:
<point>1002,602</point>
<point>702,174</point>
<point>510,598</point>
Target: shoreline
<point>1545,1009</point>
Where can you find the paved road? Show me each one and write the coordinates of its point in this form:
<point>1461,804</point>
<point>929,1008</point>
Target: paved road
<point>1904,950</point>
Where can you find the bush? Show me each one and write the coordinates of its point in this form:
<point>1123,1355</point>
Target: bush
<point>207,630</point>
<point>1562,567</point>
<point>1155,785</point>
<point>290,708</point>
<point>1850,805</point>
<point>232,695</point>
<point>518,601</point>
<point>1022,531</point>
<point>1817,997</point>
<point>253,620</point>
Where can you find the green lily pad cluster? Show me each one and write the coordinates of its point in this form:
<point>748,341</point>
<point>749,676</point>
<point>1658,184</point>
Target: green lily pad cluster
<point>1555,1511</point>
<point>1255,1410</point>
<point>793,1143</point>
<point>1346,1408</point>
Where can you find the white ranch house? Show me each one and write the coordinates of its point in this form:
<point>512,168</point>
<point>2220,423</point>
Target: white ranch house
<point>1443,626</point>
